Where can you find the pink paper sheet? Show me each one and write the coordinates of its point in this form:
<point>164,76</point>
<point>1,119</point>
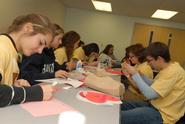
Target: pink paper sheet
<point>46,108</point>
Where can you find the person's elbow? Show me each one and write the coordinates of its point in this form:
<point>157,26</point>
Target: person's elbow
<point>150,96</point>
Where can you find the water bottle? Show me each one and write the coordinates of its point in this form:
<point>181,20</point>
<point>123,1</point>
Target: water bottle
<point>79,65</point>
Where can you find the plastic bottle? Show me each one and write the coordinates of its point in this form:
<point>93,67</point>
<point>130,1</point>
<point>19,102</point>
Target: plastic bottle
<point>79,65</point>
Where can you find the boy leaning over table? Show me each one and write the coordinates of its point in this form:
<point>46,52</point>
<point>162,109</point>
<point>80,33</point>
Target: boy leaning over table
<point>166,93</point>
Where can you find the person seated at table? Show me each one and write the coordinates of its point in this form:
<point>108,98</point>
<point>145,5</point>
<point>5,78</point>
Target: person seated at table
<point>137,57</point>
<point>28,34</point>
<point>43,66</point>
<point>87,54</point>
<point>70,42</point>
<point>166,93</point>
<point>107,57</point>
<point>81,43</point>
<point>126,59</point>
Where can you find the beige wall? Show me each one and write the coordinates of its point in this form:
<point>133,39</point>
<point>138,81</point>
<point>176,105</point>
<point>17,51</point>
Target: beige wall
<point>9,9</point>
<point>105,28</point>
<point>99,27</point>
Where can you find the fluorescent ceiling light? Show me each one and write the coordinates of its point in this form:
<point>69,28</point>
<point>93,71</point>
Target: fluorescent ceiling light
<point>103,6</point>
<point>163,14</point>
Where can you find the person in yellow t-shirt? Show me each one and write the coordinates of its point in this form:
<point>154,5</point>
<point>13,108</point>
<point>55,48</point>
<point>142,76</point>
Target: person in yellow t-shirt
<point>87,53</point>
<point>81,43</point>
<point>166,93</point>
<point>43,66</point>
<point>137,58</point>
<point>70,42</point>
<point>28,34</point>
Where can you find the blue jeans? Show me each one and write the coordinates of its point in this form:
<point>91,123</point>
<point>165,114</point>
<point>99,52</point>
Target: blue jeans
<point>139,113</point>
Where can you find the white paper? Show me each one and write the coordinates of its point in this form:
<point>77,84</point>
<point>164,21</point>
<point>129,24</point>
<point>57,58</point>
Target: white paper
<point>74,83</point>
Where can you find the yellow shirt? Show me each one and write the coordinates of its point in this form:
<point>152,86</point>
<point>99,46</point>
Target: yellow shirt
<point>79,54</point>
<point>170,85</point>
<point>145,69</point>
<point>60,55</point>
<point>8,61</point>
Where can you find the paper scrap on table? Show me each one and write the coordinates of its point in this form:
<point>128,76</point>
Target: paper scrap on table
<point>98,98</point>
<point>66,87</point>
<point>46,108</point>
<point>74,83</point>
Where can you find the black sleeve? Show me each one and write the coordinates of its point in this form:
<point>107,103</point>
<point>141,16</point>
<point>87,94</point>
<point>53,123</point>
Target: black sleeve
<point>34,93</point>
<point>0,77</point>
<point>15,95</point>
<point>32,76</point>
<point>31,69</point>
<point>46,75</point>
<point>5,95</point>
<point>60,67</point>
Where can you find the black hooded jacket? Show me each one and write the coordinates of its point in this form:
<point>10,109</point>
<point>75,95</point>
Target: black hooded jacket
<point>39,66</point>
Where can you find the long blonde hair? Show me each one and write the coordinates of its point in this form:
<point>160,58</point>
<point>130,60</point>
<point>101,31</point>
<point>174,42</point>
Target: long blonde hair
<point>40,23</point>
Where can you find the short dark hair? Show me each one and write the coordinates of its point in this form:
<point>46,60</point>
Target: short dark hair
<point>89,48</point>
<point>81,43</point>
<point>138,51</point>
<point>157,49</point>
<point>107,48</point>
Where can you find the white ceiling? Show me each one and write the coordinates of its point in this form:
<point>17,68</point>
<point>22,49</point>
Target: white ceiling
<point>136,8</point>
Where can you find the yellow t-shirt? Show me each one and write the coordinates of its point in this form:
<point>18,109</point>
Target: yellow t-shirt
<point>170,85</point>
<point>8,61</point>
<point>60,55</point>
<point>145,69</point>
<point>79,54</point>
